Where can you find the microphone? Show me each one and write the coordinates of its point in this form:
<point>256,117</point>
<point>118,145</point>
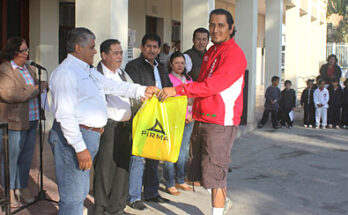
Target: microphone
<point>32,63</point>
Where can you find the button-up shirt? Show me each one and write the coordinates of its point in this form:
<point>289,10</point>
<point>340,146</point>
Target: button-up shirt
<point>119,108</point>
<point>29,80</point>
<point>78,93</point>
<point>156,74</point>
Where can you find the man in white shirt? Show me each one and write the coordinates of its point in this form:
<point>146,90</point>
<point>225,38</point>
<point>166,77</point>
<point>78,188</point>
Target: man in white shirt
<point>80,111</point>
<point>321,102</point>
<point>112,159</point>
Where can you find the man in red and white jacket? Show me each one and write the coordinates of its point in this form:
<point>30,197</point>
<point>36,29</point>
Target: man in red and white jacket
<point>217,108</point>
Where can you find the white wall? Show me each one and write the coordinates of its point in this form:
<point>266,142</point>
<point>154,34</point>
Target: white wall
<point>168,10</point>
<point>43,32</point>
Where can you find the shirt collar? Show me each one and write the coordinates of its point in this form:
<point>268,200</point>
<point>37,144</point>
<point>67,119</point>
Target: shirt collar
<point>108,71</point>
<point>15,66</point>
<point>155,62</point>
<point>81,63</point>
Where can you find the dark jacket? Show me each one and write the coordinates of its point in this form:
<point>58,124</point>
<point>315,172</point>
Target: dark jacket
<point>323,73</point>
<point>288,99</point>
<point>14,97</point>
<point>345,97</point>
<point>272,94</point>
<point>336,96</point>
<point>307,97</point>
<point>142,73</point>
<point>197,59</point>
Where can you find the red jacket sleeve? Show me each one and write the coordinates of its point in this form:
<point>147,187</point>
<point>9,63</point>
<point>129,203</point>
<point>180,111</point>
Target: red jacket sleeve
<point>230,69</point>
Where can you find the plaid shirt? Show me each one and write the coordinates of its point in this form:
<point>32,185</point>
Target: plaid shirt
<point>29,80</point>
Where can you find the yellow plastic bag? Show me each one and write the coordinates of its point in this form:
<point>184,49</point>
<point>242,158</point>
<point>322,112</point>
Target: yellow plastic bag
<point>158,128</point>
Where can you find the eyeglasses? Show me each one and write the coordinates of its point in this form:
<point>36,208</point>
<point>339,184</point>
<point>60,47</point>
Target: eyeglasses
<point>23,50</point>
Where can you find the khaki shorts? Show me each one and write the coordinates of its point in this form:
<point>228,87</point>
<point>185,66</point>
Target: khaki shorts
<point>210,154</point>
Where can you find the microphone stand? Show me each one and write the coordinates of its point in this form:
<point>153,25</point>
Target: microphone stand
<point>41,196</point>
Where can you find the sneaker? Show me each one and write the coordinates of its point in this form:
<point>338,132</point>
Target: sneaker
<point>317,127</point>
<point>306,126</point>
<point>310,126</point>
<point>228,205</point>
<point>337,127</point>
<point>138,205</point>
<point>345,127</point>
<point>323,127</point>
<point>290,127</point>
<point>283,126</point>
<point>330,126</point>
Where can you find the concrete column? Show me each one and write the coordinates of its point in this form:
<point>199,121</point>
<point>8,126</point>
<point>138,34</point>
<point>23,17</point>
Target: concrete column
<point>43,44</point>
<point>195,14</point>
<point>315,48</point>
<point>246,36</point>
<point>107,20</point>
<point>292,22</point>
<point>304,48</point>
<point>323,38</point>
<point>273,39</point>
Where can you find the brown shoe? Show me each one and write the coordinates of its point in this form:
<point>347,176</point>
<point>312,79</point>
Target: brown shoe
<point>173,191</point>
<point>184,187</point>
<point>196,183</point>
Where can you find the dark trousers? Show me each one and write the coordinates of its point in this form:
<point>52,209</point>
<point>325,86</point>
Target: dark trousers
<point>309,115</point>
<point>111,174</point>
<point>274,116</point>
<point>334,115</point>
<point>285,116</point>
<point>345,116</point>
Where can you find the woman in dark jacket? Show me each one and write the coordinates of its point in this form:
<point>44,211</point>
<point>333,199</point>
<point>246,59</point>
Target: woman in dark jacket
<point>330,70</point>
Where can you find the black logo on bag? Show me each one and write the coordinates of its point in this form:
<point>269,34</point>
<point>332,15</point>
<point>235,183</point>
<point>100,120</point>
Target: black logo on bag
<point>155,132</point>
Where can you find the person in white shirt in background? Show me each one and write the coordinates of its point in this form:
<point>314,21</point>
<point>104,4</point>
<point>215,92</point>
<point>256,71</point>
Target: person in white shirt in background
<point>164,55</point>
<point>321,100</point>
<point>80,110</point>
<point>113,157</point>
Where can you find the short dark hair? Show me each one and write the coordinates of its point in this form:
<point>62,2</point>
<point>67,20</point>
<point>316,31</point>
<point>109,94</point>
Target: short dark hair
<point>332,56</point>
<point>152,37</point>
<point>321,81</point>
<point>78,36</point>
<point>275,78</point>
<point>12,48</point>
<point>346,82</point>
<point>229,18</point>
<point>310,81</point>
<point>200,30</point>
<point>105,45</point>
<point>287,82</point>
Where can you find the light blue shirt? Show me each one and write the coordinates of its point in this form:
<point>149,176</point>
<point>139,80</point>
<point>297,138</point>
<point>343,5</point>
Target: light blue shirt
<point>157,75</point>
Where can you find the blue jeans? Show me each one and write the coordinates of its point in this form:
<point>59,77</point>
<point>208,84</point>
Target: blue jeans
<point>180,166</point>
<point>138,176</point>
<point>73,183</point>
<point>21,150</point>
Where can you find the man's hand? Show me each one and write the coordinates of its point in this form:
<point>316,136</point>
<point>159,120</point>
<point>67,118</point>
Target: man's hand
<point>167,92</point>
<point>189,119</point>
<point>150,91</point>
<point>85,160</point>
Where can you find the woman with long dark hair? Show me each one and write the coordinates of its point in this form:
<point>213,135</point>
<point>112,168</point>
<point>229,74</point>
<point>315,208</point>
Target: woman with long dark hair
<point>19,107</point>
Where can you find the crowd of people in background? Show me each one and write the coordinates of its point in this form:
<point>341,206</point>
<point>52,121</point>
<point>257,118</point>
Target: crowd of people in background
<point>324,101</point>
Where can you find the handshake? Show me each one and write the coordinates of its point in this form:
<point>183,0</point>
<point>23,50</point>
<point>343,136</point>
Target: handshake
<point>161,94</point>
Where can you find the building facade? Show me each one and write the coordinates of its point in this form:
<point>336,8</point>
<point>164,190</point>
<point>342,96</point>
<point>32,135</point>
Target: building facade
<point>279,37</point>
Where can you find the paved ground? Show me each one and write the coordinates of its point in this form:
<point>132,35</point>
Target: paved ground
<point>283,172</point>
